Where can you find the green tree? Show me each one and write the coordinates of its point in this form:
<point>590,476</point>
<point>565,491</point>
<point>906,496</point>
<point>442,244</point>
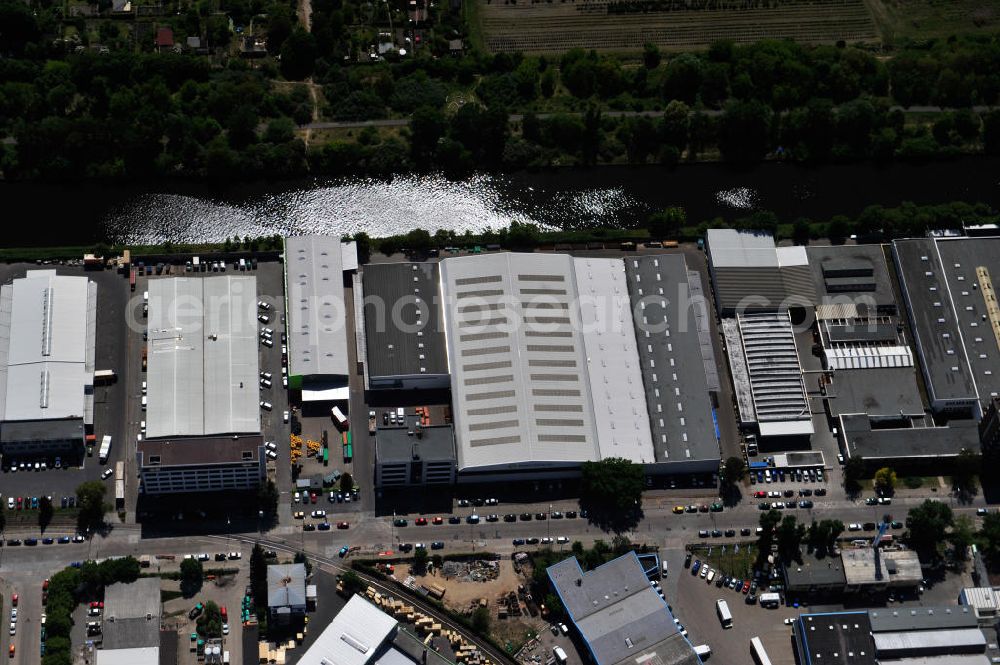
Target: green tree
<point>352,583</point>
<point>90,501</point>
<point>990,535</point>
<point>928,524</point>
<point>965,472</point>
<point>481,621</point>
<point>210,621</point>
<point>854,470</point>
<point>298,55</point>
<point>300,557</point>
<point>734,470</point>
<point>650,56</point>
<point>258,574</point>
<point>962,536</point>
<point>745,132</point>
<point>768,523</point>
<point>420,561</point>
<point>192,576</point>
<point>789,536</point>
<point>667,223</point>
<point>885,480</point>
<point>427,126</point>
<point>437,561</point>
<point>613,484</point>
<point>267,499</point>
<point>364,247</point>
<point>45,512</point>
<point>346,482</point>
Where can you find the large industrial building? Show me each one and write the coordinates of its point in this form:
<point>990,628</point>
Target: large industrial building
<point>403,329</point>
<point>751,274</point>
<point>902,636</point>
<point>619,616</point>
<point>316,310</point>
<point>549,360</point>
<point>203,369</point>
<point>930,287</point>
<point>523,368</point>
<point>48,328</point>
<point>203,415</point>
<point>677,360</point>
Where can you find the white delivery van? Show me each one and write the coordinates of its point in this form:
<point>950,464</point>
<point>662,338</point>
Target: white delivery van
<point>559,654</point>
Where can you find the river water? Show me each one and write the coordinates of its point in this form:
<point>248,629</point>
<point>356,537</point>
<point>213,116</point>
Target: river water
<point>570,198</point>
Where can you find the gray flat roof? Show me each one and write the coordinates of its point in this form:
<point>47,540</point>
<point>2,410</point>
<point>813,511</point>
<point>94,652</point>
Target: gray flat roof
<point>619,614</point>
<point>887,391</point>
<point>670,354</point>
<point>826,572</point>
<point>202,356</point>
<point>134,600</point>
<point>922,618</point>
<point>905,643</point>
<point>127,656</point>
<point>412,290</point>
<point>314,288</point>
<point>286,585</point>
<point>731,248</point>
<point>907,442</point>
<point>395,444</point>
<point>829,263</point>
<point>933,320</point>
<point>961,260</point>
<point>200,451</point>
<point>518,367</point>
<point>68,429</point>
<point>836,637</point>
<point>47,343</point>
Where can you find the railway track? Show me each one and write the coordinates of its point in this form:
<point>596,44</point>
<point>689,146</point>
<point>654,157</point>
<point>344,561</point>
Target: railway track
<point>337,565</point>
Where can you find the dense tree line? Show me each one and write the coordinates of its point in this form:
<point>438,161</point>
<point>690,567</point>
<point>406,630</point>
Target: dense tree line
<point>69,114</point>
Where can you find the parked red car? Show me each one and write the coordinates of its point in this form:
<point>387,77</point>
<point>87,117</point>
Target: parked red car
<point>420,521</point>
<point>343,525</point>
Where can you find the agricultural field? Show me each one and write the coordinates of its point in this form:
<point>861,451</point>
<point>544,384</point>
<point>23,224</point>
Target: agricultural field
<point>555,26</point>
<point>924,19</point>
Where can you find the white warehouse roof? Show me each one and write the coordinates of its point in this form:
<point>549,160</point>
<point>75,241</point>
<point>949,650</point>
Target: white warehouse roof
<point>620,414</point>
<point>202,356</point>
<point>48,328</point>
<point>354,637</point>
<point>314,284</point>
<point>518,367</point>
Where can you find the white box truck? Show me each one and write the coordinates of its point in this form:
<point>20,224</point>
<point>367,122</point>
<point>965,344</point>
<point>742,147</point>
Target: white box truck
<point>105,449</point>
<point>339,418</point>
<point>559,654</point>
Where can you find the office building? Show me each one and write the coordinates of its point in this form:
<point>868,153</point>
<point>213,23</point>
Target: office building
<point>201,464</point>
<point>413,454</point>
<point>48,329</point>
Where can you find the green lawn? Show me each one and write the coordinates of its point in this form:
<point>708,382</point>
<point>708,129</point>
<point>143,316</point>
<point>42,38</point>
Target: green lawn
<point>925,19</point>
<point>734,560</point>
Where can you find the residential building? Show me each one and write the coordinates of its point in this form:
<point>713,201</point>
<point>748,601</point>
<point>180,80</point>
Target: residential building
<point>48,329</point>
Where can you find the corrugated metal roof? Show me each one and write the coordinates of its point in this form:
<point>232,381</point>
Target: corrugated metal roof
<point>202,356</point>
<point>47,333</point>
<point>730,248</point>
<point>314,285</point>
<point>779,394</point>
<point>616,383</point>
<point>912,642</point>
<point>518,367</point>
<point>353,637</point>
